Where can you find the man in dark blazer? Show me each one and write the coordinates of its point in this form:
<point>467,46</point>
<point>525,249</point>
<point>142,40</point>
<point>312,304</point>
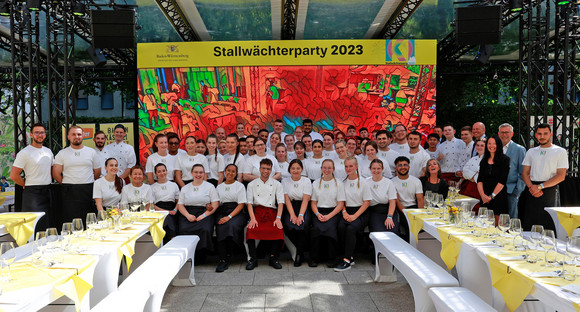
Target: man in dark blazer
<point>515,185</point>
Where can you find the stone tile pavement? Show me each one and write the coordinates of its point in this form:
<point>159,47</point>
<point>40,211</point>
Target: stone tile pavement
<point>289,289</point>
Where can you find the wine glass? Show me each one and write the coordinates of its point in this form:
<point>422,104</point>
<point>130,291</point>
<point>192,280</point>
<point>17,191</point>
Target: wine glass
<point>504,222</point>
<point>91,223</point>
<point>51,237</point>
<point>66,234</point>
<point>548,242</point>
<point>77,226</point>
<point>490,221</point>
<point>7,257</point>
<point>144,205</point>
<point>536,233</point>
<point>39,246</point>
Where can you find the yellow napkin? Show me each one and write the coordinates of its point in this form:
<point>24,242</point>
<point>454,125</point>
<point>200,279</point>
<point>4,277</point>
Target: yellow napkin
<point>513,286</point>
<point>19,225</point>
<point>568,221</point>
<point>79,285</point>
<point>416,221</point>
<point>157,231</point>
<point>576,306</point>
<point>128,250</point>
<point>2,200</point>
<point>450,246</point>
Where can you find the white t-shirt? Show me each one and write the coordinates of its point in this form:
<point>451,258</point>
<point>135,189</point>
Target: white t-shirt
<point>282,136</point>
<point>186,162</point>
<point>418,161</point>
<point>329,154</point>
<point>390,157</point>
<point>365,171</point>
<point>291,156</point>
<point>165,192</point>
<point>78,165</point>
<point>168,160</point>
<point>123,153</point>
<point>313,167</point>
<point>381,191</point>
<point>339,172</point>
<point>545,162</point>
<point>106,191</point>
<point>356,191</point>
<point>452,153</point>
<point>327,194</point>
<point>471,168</point>
<point>284,170</point>
<point>253,165</point>
<point>308,154</point>
<point>407,190</point>
<point>265,194</point>
<point>297,189</point>
<point>235,192</point>
<point>201,195</point>
<point>133,194</point>
<point>435,154</point>
<point>400,148</point>
<point>216,166</point>
<point>36,163</point>
<point>240,162</point>
<point>103,156</point>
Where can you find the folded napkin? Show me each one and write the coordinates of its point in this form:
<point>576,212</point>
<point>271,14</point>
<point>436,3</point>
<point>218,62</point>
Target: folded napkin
<point>506,258</point>
<point>572,288</point>
<point>545,274</point>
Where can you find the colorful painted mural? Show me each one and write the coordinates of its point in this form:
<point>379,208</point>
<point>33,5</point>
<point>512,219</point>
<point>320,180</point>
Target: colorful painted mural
<point>195,101</point>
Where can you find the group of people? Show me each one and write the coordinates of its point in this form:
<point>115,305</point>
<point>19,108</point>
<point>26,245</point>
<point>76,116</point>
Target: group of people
<point>315,190</point>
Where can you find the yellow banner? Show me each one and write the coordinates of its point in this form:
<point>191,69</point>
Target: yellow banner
<point>109,130</point>
<point>88,134</point>
<point>286,52</point>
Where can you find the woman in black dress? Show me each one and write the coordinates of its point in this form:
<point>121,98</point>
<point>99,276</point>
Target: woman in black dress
<point>493,173</point>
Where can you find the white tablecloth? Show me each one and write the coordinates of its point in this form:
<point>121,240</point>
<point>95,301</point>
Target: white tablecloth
<point>560,231</point>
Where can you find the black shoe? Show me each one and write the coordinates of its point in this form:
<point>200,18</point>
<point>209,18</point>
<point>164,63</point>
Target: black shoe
<point>252,263</point>
<point>312,263</point>
<point>342,267</point>
<point>222,266</point>
<point>298,261</point>
<point>274,263</point>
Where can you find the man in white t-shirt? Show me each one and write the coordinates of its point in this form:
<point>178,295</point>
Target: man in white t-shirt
<point>452,149</point>
<point>409,192</point>
<point>122,152</point>
<point>100,139</point>
<point>545,167</point>
<point>383,139</point>
<point>307,127</point>
<point>400,137</point>
<point>278,127</point>
<point>418,157</point>
<point>76,168</point>
<point>36,161</point>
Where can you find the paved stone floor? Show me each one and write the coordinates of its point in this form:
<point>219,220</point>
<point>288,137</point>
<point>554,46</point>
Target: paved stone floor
<point>289,289</point>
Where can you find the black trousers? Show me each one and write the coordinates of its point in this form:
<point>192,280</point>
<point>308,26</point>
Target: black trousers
<point>274,246</point>
<point>38,198</point>
<point>76,201</point>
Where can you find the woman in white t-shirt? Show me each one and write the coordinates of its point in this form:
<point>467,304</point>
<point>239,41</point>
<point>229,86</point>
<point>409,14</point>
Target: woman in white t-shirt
<point>282,158</point>
<point>275,139</point>
<point>354,217</point>
<point>327,202</point>
<point>371,149</point>
<point>328,144</point>
<point>340,148</point>
<point>197,203</point>
<point>185,162</point>
<point>165,196</point>
<point>160,156</point>
<point>289,142</point>
<point>107,189</point>
<point>137,191</point>
<point>230,221</point>
<point>296,217</point>
<point>313,164</point>
<point>300,151</point>
<point>233,155</point>
<point>215,161</point>
<point>252,169</point>
<point>382,217</point>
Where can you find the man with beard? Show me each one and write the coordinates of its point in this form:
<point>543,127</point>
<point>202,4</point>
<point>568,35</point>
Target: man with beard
<point>76,168</point>
<point>418,157</point>
<point>545,167</point>
<point>173,144</point>
<point>409,193</point>
<point>36,161</point>
<point>400,145</point>
<point>122,152</point>
<point>278,128</point>
<point>383,139</point>
<point>100,139</point>
<point>307,127</point>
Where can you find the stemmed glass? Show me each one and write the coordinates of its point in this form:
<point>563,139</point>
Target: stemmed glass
<point>490,221</point>
<point>102,217</point>
<point>571,258</point>
<point>439,201</point>
<point>516,232</point>
<point>428,198</point>
<point>7,257</point>
<point>91,223</point>
<point>503,223</point>
<point>536,233</point>
<point>66,234</point>
<point>51,244</point>
<point>77,227</point>
<point>548,242</point>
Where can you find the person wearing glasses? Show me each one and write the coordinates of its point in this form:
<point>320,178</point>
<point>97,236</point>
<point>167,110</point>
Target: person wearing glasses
<point>409,193</point>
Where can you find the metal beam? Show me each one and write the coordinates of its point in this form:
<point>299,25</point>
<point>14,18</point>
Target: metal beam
<point>175,16</point>
<point>289,11</point>
<point>398,19</point>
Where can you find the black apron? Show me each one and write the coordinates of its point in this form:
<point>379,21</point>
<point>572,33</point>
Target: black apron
<point>203,228</point>
<point>38,198</point>
<point>328,228</point>
<point>288,225</point>
<point>170,225</point>
<point>234,228</point>
<point>378,215</point>
<point>76,201</point>
<point>531,209</point>
<point>359,224</point>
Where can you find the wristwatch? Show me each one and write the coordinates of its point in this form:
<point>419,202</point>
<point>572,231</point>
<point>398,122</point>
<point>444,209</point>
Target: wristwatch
<point>540,187</point>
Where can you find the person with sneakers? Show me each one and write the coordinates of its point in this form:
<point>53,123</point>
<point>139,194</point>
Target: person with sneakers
<point>230,221</point>
<point>327,202</point>
<point>265,206</point>
<point>297,191</point>
<point>409,193</point>
<point>354,219</point>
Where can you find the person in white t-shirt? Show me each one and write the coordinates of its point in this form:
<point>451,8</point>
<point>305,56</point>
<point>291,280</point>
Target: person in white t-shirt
<point>383,204</point>
<point>278,128</point>
<point>433,143</point>
<point>327,203</point>
<point>545,167</point>
<point>467,137</point>
<point>417,156</point>
<point>313,164</point>
<point>233,155</point>
<point>409,193</point>
<point>298,133</point>
<point>354,217</point>
<point>251,171</point>
<point>76,168</point>
<point>122,152</point>
<point>400,145</point>
<point>307,125</point>
<point>198,201</point>
<point>328,145</point>
<point>282,158</point>
<point>165,196</point>
<point>340,148</point>
<point>36,161</point>
<point>240,130</point>
<point>185,162</point>
<point>370,155</point>
<point>274,140</point>
<point>215,161</point>
<point>100,139</point>
<point>107,189</point>
<point>289,142</point>
<point>137,191</point>
<point>383,139</point>
<point>160,156</point>
<point>229,217</point>
<point>297,217</point>
<point>307,140</point>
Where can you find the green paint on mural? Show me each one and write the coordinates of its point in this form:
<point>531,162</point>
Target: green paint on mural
<point>398,111</point>
<point>395,80</point>
<point>401,100</point>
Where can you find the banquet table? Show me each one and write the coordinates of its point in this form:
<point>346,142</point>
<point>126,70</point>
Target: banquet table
<point>493,273</point>
<point>6,199</point>
<point>566,220</point>
<point>93,268</point>
<point>20,225</point>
